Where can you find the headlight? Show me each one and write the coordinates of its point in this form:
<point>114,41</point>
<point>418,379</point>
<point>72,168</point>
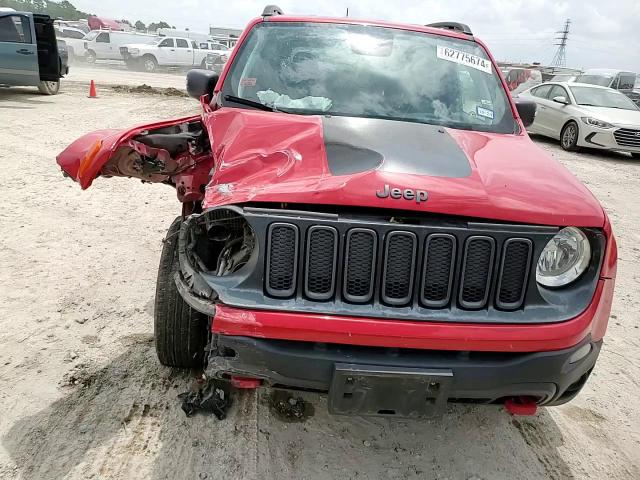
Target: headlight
<point>564,258</point>
<point>134,51</point>
<point>594,122</point>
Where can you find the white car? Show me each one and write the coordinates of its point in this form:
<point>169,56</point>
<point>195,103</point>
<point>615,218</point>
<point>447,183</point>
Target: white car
<point>74,38</point>
<point>166,52</point>
<point>584,115</point>
<point>105,44</point>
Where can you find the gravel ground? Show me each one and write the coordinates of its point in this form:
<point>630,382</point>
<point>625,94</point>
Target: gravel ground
<point>84,397</point>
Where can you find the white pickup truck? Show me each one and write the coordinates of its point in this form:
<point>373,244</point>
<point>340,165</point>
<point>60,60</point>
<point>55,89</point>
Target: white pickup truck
<point>165,52</point>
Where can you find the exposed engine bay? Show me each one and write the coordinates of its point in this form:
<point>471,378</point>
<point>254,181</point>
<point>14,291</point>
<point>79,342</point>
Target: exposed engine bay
<point>157,155</point>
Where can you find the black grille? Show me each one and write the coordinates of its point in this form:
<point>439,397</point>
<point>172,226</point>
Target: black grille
<point>627,137</point>
<point>476,275</point>
<point>322,252</point>
<point>439,263</point>
<point>282,259</point>
<point>514,271</point>
<point>399,268</point>
<point>348,266</point>
<point>360,259</point>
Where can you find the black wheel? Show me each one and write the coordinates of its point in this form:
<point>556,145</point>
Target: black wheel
<point>49,88</point>
<point>90,56</point>
<point>569,136</point>
<point>636,155</point>
<point>180,331</point>
<point>149,63</point>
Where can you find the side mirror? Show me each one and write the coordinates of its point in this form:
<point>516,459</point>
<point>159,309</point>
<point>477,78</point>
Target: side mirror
<point>201,82</point>
<point>526,110</point>
<point>561,99</point>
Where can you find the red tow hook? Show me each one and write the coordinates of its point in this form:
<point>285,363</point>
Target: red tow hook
<point>245,383</point>
<point>525,406</point>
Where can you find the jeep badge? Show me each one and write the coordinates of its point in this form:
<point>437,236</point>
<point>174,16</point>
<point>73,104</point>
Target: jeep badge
<point>396,193</point>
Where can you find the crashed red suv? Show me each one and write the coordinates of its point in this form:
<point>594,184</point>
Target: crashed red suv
<point>365,215</point>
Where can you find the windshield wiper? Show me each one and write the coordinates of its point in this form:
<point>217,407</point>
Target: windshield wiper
<point>251,103</point>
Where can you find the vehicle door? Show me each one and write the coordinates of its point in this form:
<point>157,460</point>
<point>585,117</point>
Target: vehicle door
<point>542,122</point>
<point>558,113</point>
<point>166,54</point>
<point>102,46</point>
<point>18,49</point>
<point>184,52</point>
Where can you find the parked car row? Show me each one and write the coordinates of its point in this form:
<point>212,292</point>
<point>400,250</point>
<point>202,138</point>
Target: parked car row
<point>586,115</point>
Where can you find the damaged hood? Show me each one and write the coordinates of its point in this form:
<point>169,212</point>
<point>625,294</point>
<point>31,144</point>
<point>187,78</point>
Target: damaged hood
<point>284,158</point>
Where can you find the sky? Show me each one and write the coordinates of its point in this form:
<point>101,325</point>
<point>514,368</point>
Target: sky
<point>603,34</point>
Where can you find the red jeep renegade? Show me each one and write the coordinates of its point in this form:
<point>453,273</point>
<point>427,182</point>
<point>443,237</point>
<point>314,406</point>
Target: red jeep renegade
<point>365,215</point>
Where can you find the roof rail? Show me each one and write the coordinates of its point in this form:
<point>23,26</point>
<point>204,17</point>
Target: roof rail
<point>271,10</point>
<point>455,26</point>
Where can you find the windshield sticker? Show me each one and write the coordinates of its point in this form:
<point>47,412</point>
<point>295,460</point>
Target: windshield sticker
<point>248,82</point>
<point>464,58</point>
<point>484,112</point>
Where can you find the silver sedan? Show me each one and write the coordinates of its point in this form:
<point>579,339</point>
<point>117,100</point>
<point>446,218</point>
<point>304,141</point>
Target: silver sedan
<point>582,115</point>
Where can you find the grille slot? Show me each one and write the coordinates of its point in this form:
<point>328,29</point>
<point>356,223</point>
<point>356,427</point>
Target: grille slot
<point>477,267</point>
<point>399,268</point>
<point>627,137</point>
<point>282,259</point>
<point>321,258</point>
<point>360,261</point>
<point>439,264</point>
<point>514,271</point>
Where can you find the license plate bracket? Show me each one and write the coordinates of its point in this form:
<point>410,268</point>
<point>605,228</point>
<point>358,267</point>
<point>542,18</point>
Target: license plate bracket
<point>388,391</point>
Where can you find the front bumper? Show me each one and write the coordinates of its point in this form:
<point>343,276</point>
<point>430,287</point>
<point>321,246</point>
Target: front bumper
<point>618,138</point>
<point>552,377</point>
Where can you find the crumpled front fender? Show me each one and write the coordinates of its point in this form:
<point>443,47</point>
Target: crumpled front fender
<point>85,158</point>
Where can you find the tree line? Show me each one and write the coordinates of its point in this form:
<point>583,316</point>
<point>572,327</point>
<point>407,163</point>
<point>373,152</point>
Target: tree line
<point>65,10</point>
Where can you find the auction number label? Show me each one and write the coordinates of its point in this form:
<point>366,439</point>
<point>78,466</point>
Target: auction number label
<point>464,58</point>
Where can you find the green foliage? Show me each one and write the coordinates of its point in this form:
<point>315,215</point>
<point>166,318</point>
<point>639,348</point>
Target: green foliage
<point>64,9</point>
<point>155,26</point>
<point>140,26</point>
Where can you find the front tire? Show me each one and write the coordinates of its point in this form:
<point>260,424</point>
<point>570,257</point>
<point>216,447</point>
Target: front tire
<point>180,332</point>
<point>569,136</point>
<point>149,63</point>
<point>90,56</point>
<point>49,88</point>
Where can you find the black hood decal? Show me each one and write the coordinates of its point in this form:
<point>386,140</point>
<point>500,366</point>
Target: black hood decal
<point>355,145</point>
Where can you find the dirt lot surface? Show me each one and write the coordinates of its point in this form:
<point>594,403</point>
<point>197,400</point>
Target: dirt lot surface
<point>83,396</point>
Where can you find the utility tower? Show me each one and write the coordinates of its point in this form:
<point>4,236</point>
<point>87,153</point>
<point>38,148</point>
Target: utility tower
<point>560,59</point>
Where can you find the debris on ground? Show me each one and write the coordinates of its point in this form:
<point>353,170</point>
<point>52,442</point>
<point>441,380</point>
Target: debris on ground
<point>144,88</point>
<point>288,408</point>
<point>209,395</point>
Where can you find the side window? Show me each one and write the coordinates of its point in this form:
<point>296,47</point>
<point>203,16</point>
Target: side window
<point>182,43</point>
<point>167,42</point>
<point>74,34</point>
<point>626,81</point>
<point>15,29</point>
<point>542,91</point>
<point>194,44</point>
<point>558,91</point>
<point>204,46</point>
<point>102,38</point>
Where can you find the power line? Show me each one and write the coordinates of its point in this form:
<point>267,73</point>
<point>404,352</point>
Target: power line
<point>560,58</point>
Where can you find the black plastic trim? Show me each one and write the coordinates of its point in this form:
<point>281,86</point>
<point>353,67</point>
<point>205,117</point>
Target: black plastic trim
<point>289,292</point>
<point>505,247</point>
<point>369,296</point>
<point>476,305</point>
<point>404,300</point>
<point>309,294</point>
<point>452,269</point>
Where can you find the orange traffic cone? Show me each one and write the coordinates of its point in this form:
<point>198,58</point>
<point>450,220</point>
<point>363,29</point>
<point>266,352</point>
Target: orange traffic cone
<point>92,90</point>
